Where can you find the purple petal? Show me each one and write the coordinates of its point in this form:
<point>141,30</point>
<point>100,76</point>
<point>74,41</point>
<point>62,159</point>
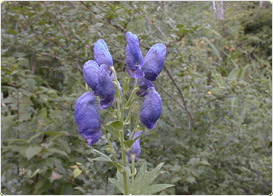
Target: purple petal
<point>134,58</point>
<point>88,118</point>
<point>135,148</point>
<point>102,54</point>
<point>151,109</point>
<point>154,61</point>
<point>91,74</point>
<point>106,87</point>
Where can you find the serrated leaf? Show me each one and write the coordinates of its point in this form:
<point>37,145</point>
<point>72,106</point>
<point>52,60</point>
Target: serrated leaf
<point>32,151</point>
<point>155,188</point>
<point>118,125</point>
<point>118,184</point>
<point>145,179</point>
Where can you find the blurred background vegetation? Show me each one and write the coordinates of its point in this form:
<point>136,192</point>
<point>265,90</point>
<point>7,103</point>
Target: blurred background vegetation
<point>214,135</point>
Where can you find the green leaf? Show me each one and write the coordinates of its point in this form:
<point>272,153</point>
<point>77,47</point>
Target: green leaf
<point>214,49</point>
<point>102,159</point>
<point>77,172</point>
<point>106,158</point>
<point>117,183</point>
<point>67,189</point>
<point>144,178</point>
<point>54,150</point>
<point>190,179</point>
<point>34,137</point>
<point>10,141</point>
<point>32,151</point>
<point>118,125</point>
<point>233,74</point>
<point>114,127</point>
<point>204,162</point>
<point>242,75</point>
<point>194,161</point>
<point>129,143</point>
<point>155,188</point>
<point>113,132</point>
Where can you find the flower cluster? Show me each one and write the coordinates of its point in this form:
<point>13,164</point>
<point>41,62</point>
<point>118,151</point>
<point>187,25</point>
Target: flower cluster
<point>146,70</point>
<point>99,77</point>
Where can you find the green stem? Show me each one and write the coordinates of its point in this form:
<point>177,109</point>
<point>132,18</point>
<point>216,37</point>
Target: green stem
<point>119,99</point>
<point>132,96</point>
<point>109,142</point>
<point>124,164</point>
<point>133,156</point>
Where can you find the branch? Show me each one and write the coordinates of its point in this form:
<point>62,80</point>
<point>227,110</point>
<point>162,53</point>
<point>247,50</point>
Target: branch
<point>181,95</point>
<point>182,106</point>
<point>64,32</point>
<point>167,150</point>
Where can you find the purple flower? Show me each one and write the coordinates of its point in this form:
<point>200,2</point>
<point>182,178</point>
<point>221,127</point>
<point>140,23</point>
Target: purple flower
<point>102,54</point>
<point>106,87</point>
<point>143,85</point>
<point>135,148</point>
<point>134,58</point>
<point>88,118</point>
<point>91,72</point>
<point>151,109</point>
<point>154,61</point>
<point>99,77</point>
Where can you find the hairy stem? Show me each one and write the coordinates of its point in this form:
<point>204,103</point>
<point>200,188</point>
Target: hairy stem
<point>133,156</point>
<point>109,142</point>
<point>132,96</point>
<point>124,163</point>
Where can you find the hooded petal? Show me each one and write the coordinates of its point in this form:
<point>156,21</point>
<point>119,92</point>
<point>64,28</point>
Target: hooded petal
<point>106,87</point>
<point>88,118</point>
<point>154,61</point>
<point>151,109</point>
<point>134,58</point>
<point>135,149</point>
<point>91,74</point>
<point>102,54</point>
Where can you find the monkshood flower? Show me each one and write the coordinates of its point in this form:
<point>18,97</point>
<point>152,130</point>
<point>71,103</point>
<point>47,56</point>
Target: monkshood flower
<point>151,109</point>
<point>98,75</point>
<point>91,72</point>
<point>143,85</point>
<point>88,118</point>
<point>102,54</point>
<point>154,61</point>
<point>106,87</point>
<point>134,58</point>
<point>135,149</point>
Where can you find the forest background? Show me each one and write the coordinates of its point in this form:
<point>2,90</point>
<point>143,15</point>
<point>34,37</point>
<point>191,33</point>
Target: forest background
<point>214,135</point>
